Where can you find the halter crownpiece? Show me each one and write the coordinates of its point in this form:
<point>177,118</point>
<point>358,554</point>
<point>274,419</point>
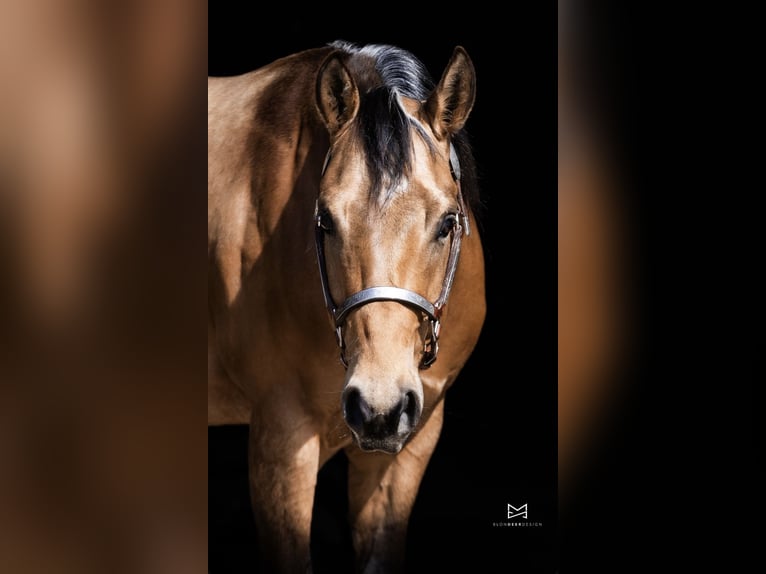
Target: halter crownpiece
<point>431,311</point>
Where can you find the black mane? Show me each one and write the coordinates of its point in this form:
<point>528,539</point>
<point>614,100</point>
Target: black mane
<point>383,73</point>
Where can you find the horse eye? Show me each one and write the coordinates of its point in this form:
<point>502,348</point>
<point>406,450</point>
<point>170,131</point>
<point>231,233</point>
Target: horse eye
<point>448,224</point>
<point>324,220</point>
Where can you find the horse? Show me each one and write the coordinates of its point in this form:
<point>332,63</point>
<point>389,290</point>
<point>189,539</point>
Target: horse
<point>345,281</point>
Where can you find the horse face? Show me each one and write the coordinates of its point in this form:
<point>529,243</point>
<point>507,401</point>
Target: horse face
<point>402,238</point>
<point>388,209</point>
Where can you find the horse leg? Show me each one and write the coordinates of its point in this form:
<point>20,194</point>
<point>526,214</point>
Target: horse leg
<point>382,491</point>
<point>283,466</point>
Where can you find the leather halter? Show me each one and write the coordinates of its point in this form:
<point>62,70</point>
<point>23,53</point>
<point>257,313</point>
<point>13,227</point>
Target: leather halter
<point>430,311</point>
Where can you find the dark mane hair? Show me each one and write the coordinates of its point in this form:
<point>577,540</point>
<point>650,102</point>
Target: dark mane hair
<point>383,73</point>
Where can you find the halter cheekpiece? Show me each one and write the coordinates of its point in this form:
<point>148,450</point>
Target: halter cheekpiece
<point>429,310</point>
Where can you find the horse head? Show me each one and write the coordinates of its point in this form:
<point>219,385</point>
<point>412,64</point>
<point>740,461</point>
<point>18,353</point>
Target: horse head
<point>389,217</point>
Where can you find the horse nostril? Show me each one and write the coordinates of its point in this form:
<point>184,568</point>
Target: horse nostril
<point>356,409</point>
<point>409,412</point>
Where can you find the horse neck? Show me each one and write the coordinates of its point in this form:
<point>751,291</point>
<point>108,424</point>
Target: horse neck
<point>290,194</point>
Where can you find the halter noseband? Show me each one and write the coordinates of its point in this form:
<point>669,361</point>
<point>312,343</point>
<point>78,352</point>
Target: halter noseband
<point>431,311</point>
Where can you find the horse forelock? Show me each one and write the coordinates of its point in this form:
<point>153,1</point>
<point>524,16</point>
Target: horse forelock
<point>384,74</point>
<point>384,129</point>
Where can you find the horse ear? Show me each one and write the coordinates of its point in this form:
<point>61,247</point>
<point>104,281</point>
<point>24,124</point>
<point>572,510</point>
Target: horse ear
<point>452,100</point>
<point>337,96</point>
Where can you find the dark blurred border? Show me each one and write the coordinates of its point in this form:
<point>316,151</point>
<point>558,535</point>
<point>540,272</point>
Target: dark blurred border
<point>674,481</point>
<point>102,286</point>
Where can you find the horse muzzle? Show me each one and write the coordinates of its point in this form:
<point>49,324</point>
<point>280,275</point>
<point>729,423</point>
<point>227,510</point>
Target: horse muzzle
<point>380,425</point>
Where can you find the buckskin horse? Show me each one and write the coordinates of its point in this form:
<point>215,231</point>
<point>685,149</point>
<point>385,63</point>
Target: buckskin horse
<point>341,202</point>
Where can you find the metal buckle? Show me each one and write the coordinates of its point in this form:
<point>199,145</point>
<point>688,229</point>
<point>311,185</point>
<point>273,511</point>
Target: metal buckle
<point>431,345</point>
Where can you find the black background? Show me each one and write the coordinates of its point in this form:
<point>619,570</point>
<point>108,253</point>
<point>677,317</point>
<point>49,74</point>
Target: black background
<point>498,445</point>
